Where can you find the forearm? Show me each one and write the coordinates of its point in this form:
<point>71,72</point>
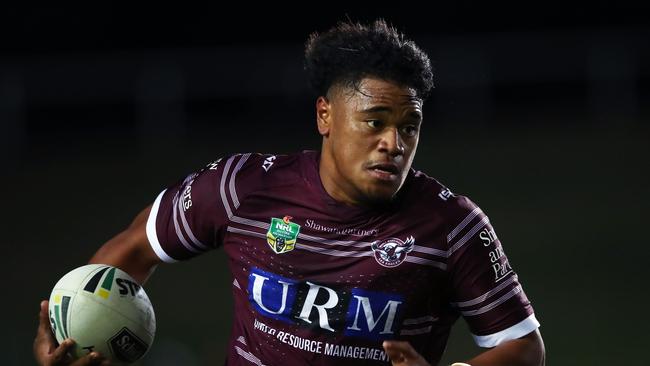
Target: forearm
<point>525,351</point>
<point>130,250</point>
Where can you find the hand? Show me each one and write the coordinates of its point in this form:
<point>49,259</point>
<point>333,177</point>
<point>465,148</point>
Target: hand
<point>402,354</point>
<point>46,351</point>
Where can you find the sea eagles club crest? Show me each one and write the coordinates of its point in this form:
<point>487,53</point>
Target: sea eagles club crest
<point>282,234</point>
<point>392,252</point>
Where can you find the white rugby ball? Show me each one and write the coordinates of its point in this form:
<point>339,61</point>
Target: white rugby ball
<point>105,310</point>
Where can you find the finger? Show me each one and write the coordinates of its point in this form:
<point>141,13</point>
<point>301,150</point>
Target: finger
<point>44,342</point>
<point>43,317</point>
<point>393,352</point>
<point>61,352</point>
<point>92,358</point>
<point>401,347</point>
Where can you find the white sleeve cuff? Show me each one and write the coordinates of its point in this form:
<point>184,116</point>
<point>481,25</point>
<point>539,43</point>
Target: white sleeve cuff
<point>516,331</point>
<point>151,231</point>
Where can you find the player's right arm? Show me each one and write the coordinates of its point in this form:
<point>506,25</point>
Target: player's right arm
<point>185,220</point>
<point>130,250</point>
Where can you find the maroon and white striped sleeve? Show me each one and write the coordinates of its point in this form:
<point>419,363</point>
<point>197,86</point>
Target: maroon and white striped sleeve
<point>486,290</point>
<point>188,218</point>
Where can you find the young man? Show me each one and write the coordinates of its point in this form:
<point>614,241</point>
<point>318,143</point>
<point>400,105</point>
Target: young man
<point>346,255</point>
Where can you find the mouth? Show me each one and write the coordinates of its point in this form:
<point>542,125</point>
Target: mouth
<point>385,171</point>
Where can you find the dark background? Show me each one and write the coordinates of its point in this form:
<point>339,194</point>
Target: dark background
<point>540,114</point>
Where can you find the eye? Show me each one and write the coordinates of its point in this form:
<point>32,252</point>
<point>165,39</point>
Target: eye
<point>374,123</point>
<point>410,130</point>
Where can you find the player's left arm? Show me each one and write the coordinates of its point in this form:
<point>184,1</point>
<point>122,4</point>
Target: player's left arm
<point>525,351</point>
<point>488,294</point>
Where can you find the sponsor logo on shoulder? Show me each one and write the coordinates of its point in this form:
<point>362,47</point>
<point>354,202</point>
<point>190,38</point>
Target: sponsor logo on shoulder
<point>282,234</point>
<point>214,165</point>
<point>445,194</point>
<point>392,252</point>
<point>268,163</point>
<point>500,264</point>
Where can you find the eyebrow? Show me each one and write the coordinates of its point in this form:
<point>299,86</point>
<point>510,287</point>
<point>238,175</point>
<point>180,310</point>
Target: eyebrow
<point>380,109</point>
<point>377,109</point>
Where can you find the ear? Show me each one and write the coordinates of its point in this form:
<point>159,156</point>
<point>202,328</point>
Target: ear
<point>323,115</point>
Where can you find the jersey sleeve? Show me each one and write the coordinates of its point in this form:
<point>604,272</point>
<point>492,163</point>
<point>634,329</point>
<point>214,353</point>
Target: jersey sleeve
<point>485,288</point>
<point>189,218</point>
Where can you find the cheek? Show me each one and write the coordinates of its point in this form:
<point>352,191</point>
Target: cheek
<point>350,144</point>
<point>411,147</point>
<point>348,155</point>
<point>356,150</point>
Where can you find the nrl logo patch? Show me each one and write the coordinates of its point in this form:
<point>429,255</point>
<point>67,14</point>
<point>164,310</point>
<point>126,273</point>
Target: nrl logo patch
<point>392,252</point>
<point>282,234</point>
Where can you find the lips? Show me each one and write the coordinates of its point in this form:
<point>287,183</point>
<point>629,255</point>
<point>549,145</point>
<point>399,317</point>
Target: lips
<point>384,171</point>
<point>386,167</point>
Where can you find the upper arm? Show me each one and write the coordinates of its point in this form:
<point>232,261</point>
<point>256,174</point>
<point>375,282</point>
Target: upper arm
<point>130,250</point>
<point>526,351</point>
<point>186,219</point>
<point>486,289</point>
<point>191,217</point>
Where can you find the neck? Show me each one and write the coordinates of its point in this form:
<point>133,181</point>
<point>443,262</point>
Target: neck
<point>334,185</point>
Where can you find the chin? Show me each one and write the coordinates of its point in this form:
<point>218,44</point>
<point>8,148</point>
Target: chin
<point>381,195</point>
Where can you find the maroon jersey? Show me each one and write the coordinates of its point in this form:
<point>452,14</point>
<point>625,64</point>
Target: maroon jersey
<point>319,282</point>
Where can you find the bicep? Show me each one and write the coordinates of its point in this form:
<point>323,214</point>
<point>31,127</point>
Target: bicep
<point>130,250</point>
<point>526,350</point>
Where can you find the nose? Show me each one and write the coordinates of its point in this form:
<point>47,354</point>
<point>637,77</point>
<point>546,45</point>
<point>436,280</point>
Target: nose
<point>391,142</point>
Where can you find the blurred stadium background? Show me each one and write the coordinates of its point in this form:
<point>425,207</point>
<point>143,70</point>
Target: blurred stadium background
<point>541,114</point>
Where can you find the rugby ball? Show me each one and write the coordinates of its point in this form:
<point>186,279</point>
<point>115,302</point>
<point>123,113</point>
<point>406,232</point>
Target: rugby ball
<point>105,310</point>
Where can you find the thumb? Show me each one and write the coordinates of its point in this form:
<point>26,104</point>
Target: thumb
<point>43,317</point>
<point>44,342</point>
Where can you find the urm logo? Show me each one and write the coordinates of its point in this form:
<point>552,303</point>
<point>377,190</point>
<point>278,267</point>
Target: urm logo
<point>270,294</point>
<point>372,314</point>
<point>356,312</point>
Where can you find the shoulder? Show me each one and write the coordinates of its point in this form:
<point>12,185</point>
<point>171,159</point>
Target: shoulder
<point>448,205</point>
<point>253,171</point>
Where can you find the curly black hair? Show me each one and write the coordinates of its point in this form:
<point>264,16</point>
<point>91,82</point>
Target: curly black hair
<point>348,52</point>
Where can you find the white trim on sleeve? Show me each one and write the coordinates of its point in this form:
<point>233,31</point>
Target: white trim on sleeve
<point>516,331</point>
<point>151,231</point>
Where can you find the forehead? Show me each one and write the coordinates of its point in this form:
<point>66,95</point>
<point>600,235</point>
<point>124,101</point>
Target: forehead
<point>371,91</point>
